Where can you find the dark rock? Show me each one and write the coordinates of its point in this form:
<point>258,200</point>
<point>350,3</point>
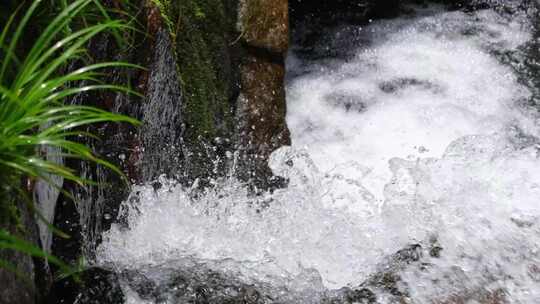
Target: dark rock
<point>213,289</point>
<point>388,280</point>
<point>361,296</point>
<point>261,118</point>
<point>265,24</point>
<point>146,289</point>
<point>261,107</point>
<point>396,85</point>
<point>197,285</point>
<point>28,278</point>
<point>95,286</point>
<point>15,288</point>
<point>163,126</point>
<point>350,103</point>
<point>208,54</point>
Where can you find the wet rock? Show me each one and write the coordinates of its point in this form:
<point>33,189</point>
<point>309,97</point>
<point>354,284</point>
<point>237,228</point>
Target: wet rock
<point>265,24</point>
<point>361,296</point>
<point>482,297</point>
<point>388,283</point>
<point>395,85</point>
<point>194,285</point>
<point>261,107</point>
<point>388,280</point>
<point>208,55</point>
<point>17,289</point>
<point>163,125</point>
<point>94,286</point>
<point>146,289</point>
<point>350,103</point>
<point>261,114</point>
<point>28,278</point>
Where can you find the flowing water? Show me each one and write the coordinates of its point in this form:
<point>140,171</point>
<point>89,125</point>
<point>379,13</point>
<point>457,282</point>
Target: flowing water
<point>413,177</point>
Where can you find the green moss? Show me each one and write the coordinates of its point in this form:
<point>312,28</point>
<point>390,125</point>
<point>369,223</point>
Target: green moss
<point>164,6</point>
<point>201,31</point>
<point>199,13</point>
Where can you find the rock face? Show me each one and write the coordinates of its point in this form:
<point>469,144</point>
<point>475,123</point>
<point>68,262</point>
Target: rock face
<point>216,68</point>
<point>162,129</point>
<point>94,286</point>
<point>195,285</point>
<point>265,24</point>
<point>261,106</point>
<point>32,278</point>
<point>388,283</point>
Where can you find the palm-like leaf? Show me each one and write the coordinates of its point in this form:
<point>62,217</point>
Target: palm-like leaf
<point>34,112</point>
<point>35,97</point>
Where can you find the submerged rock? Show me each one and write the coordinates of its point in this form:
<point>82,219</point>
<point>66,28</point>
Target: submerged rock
<point>199,284</point>
<point>194,285</point>
<point>388,282</point>
<point>92,286</point>
<point>261,106</point>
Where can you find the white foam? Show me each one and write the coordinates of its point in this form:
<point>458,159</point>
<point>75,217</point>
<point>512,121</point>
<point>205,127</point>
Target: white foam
<point>460,89</point>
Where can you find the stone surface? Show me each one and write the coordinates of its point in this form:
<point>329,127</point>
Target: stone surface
<point>387,282</point>
<point>207,60</point>
<point>261,106</point>
<point>261,118</point>
<point>194,285</point>
<point>93,286</point>
<point>30,277</point>
<point>17,289</point>
<point>265,24</point>
<point>163,125</point>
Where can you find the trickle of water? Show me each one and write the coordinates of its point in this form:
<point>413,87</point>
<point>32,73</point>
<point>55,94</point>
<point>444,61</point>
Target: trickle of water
<point>421,135</point>
<point>45,196</point>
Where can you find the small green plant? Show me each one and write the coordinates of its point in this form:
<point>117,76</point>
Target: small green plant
<point>35,111</point>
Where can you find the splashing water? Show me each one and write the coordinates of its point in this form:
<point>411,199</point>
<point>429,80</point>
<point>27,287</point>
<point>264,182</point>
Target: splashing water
<point>418,135</point>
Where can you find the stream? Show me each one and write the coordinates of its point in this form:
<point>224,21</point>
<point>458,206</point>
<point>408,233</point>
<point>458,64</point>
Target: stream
<point>413,178</point>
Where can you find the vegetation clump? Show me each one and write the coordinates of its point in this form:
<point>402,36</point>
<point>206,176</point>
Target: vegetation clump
<point>38,82</point>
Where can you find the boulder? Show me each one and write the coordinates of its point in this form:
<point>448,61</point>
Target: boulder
<point>265,24</point>
<point>91,286</point>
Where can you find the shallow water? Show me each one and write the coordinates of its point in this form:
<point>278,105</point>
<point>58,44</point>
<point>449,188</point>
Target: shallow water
<point>420,134</point>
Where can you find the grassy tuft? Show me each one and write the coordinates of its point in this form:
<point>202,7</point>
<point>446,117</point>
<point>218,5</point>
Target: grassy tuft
<point>35,111</point>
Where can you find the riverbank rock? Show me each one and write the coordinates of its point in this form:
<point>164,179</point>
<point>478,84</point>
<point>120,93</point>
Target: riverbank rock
<point>388,283</point>
<point>193,285</point>
<point>92,286</point>
<point>265,24</point>
<point>23,279</point>
<point>261,105</point>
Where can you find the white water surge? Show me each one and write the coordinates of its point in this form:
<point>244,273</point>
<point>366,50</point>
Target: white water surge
<point>419,135</point>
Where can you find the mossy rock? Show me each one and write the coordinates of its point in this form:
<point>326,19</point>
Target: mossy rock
<point>265,24</point>
<point>203,35</point>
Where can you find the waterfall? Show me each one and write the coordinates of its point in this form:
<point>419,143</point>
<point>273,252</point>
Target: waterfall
<point>414,135</point>
<point>46,194</point>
